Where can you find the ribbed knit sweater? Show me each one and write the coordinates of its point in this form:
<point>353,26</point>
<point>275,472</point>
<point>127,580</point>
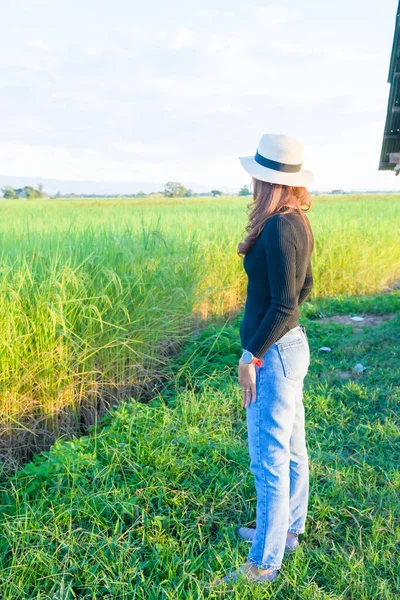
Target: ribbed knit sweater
<point>279,273</point>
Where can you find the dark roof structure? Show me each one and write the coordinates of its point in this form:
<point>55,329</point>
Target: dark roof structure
<point>390,153</point>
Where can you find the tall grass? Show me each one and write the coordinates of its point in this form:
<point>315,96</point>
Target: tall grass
<point>98,312</point>
<point>96,294</point>
<point>147,506</point>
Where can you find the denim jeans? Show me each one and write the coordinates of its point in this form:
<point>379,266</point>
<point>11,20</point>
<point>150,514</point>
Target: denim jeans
<point>277,447</point>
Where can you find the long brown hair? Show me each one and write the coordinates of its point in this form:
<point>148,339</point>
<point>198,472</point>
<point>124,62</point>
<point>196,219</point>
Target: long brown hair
<point>270,199</point>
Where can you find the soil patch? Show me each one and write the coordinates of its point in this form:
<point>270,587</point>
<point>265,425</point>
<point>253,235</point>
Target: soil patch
<point>368,319</point>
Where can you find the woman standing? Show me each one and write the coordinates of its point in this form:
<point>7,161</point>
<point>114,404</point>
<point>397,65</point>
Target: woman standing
<point>276,356</point>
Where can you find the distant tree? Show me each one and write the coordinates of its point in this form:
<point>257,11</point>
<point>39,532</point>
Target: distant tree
<point>244,191</point>
<point>30,192</point>
<point>182,191</point>
<point>9,192</point>
<point>40,191</point>
<point>188,193</point>
<point>216,193</point>
<point>140,195</point>
<point>174,188</point>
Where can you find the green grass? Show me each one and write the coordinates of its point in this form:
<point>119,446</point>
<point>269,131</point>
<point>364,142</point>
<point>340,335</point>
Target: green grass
<point>97,294</point>
<point>147,505</point>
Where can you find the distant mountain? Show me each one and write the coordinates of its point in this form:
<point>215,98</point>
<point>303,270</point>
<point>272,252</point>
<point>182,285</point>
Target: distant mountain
<point>52,186</point>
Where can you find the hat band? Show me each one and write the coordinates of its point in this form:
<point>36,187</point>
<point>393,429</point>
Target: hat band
<point>276,166</point>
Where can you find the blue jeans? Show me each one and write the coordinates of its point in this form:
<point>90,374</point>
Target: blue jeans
<point>277,447</point>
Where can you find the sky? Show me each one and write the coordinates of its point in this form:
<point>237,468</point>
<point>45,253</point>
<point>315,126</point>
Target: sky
<point>158,91</point>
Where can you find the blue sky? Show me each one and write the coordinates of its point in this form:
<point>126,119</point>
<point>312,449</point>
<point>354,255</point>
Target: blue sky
<point>154,91</point>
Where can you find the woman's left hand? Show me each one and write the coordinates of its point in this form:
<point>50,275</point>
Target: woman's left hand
<point>247,380</point>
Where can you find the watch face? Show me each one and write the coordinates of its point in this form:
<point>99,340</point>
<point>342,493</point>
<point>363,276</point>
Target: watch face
<point>247,357</point>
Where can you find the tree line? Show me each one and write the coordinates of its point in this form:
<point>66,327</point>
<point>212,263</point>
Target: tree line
<point>172,189</point>
<point>26,192</point>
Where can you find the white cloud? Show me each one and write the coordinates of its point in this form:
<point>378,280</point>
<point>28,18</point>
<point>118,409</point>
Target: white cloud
<point>85,164</point>
<point>36,4</point>
<point>149,148</point>
<point>37,45</point>
<point>209,12</point>
<point>181,38</point>
<point>215,12</point>
<point>80,164</point>
<point>131,85</point>
<point>287,46</point>
<point>276,15</point>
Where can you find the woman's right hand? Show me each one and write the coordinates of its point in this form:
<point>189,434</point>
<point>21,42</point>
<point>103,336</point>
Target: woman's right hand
<point>247,380</point>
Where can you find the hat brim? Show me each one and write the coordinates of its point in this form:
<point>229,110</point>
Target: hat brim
<point>302,178</point>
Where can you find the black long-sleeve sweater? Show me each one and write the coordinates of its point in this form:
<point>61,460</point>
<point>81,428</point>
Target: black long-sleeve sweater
<point>280,277</point>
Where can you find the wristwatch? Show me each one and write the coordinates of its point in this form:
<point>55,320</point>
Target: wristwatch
<point>248,358</point>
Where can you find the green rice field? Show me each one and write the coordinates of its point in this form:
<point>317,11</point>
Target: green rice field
<point>125,469</point>
<point>147,505</point>
<point>97,295</point>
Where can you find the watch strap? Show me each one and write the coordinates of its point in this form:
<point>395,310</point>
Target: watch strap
<point>254,360</point>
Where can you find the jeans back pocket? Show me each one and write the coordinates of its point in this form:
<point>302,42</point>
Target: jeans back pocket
<point>295,356</point>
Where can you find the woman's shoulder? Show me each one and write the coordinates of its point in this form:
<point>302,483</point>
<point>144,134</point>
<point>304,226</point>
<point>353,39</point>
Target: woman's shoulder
<point>285,220</point>
<point>281,221</point>
<point>281,229</point>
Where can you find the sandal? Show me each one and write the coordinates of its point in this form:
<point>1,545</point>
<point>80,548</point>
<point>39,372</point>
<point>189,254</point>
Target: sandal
<point>245,572</point>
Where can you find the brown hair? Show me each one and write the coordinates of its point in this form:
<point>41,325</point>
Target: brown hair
<point>270,199</point>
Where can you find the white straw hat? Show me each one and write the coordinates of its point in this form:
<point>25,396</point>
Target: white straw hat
<point>278,159</point>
